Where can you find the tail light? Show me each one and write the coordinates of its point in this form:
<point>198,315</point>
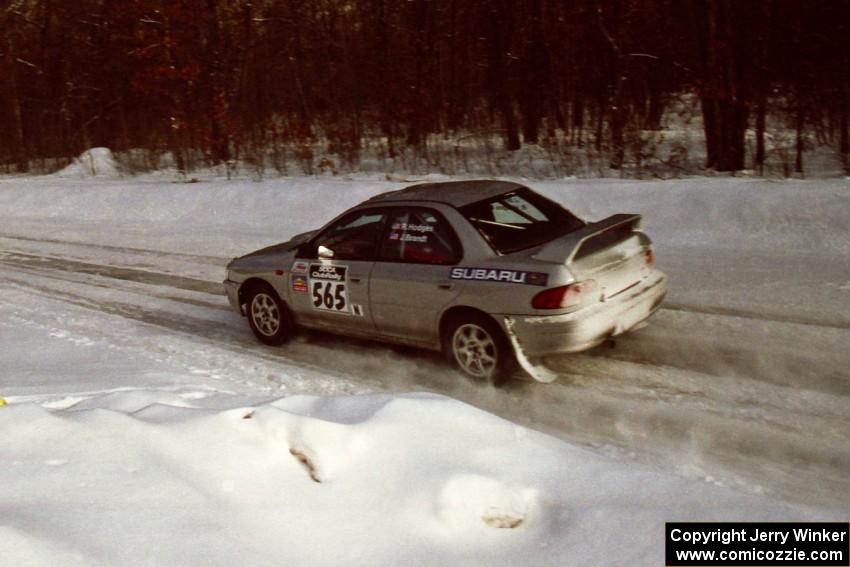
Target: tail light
<point>565,295</point>
<point>649,257</point>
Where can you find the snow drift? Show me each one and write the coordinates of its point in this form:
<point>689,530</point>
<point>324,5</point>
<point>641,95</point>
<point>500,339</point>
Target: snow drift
<point>95,162</point>
<point>130,478</point>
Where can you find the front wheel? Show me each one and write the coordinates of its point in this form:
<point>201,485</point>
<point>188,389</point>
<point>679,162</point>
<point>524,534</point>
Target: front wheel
<point>267,316</point>
<point>479,348</point>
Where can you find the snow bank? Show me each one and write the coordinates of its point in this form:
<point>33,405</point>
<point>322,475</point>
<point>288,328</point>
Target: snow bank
<point>725,242</point>
<point>724,213</point>
<point>357,480</point>
<point>228,218</point>
<point>96,162</point>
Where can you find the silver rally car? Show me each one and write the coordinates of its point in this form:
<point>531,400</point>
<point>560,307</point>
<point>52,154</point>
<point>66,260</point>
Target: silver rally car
<point>489,272</point>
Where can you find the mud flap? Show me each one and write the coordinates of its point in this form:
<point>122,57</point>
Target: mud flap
<point>536,371</point>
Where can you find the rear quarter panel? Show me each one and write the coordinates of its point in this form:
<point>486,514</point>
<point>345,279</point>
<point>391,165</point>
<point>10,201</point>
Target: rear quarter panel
<point>505,297</point>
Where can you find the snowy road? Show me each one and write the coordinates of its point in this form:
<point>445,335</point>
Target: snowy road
<point>738,396</point>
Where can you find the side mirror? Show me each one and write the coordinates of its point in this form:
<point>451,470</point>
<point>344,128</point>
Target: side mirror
<point>325,252</point>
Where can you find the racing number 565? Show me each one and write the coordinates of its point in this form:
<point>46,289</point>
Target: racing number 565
<point>329,295</point>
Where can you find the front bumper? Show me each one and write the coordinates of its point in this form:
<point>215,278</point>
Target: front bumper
<point>542,335</point>
<point>232,290</point>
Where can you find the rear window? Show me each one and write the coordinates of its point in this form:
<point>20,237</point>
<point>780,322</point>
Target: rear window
<point>520,219</point>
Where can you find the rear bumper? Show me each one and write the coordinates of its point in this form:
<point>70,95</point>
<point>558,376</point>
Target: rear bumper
<point>587,327</point>
<point>232,290</point>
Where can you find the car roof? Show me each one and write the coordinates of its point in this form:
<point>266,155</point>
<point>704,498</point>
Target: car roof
<point>454,193</point>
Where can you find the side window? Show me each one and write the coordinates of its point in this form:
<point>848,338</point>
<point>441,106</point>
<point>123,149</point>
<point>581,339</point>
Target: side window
<point>354,237</point>
<point>419,236</point>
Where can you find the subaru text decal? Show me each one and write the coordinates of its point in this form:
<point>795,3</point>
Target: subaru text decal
<point>506,276</point>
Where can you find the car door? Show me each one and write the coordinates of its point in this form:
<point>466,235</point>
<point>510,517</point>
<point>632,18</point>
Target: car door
<point>410,282</point>
<point>329,280</point>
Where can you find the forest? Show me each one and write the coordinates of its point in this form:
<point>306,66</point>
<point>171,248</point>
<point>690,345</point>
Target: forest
<point>275,83</point>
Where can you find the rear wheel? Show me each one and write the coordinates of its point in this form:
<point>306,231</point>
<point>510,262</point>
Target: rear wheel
<point>479,348</point>
<point>268,316</point>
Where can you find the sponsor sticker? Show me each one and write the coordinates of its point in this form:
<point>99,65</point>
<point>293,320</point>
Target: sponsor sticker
<point>504,276</point>
<point>537,278</point>
<point>329,287</point>
<point>299,267</point>
<point>299,283</point>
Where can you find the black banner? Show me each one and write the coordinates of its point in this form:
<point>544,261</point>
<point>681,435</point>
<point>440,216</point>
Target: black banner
<point>757,544</point>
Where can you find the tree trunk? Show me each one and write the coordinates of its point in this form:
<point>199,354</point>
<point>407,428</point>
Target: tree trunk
<point>799,122</point>
<point>725,130</point>
<point>617,78</point>
<point>19,154</point>
<point>762,83</point>
<point>725,106</point>
<point>843,110</point>
<point>577,119</point>
<point>417,108</point>
<point>535,75</point>
<point>761,111</point>
<point>500,74</point>
<point>382,47</point>
<point>220,141</point>
<point>600,125</point>
<point>618,147</point>
<point>655,112</point>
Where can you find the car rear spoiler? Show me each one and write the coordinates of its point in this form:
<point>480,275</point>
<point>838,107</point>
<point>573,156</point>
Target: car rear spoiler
<point>566,248</point>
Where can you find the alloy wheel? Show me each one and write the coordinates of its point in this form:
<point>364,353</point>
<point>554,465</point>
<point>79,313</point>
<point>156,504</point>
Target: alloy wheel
<point>474,350</point>
<point>265,314</point>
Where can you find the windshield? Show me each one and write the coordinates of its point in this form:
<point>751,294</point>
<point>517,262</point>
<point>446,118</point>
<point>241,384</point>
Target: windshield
<point>520,219</point>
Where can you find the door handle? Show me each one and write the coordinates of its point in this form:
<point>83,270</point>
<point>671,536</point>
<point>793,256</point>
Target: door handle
<point>354,279</point>
<point>445,285</point>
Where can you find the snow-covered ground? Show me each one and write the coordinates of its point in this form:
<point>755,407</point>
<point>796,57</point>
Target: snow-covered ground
<point>145,425</point>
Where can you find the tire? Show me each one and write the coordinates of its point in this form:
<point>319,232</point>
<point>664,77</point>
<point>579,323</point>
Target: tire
<point>268,316</point>
<point>479,349</point>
